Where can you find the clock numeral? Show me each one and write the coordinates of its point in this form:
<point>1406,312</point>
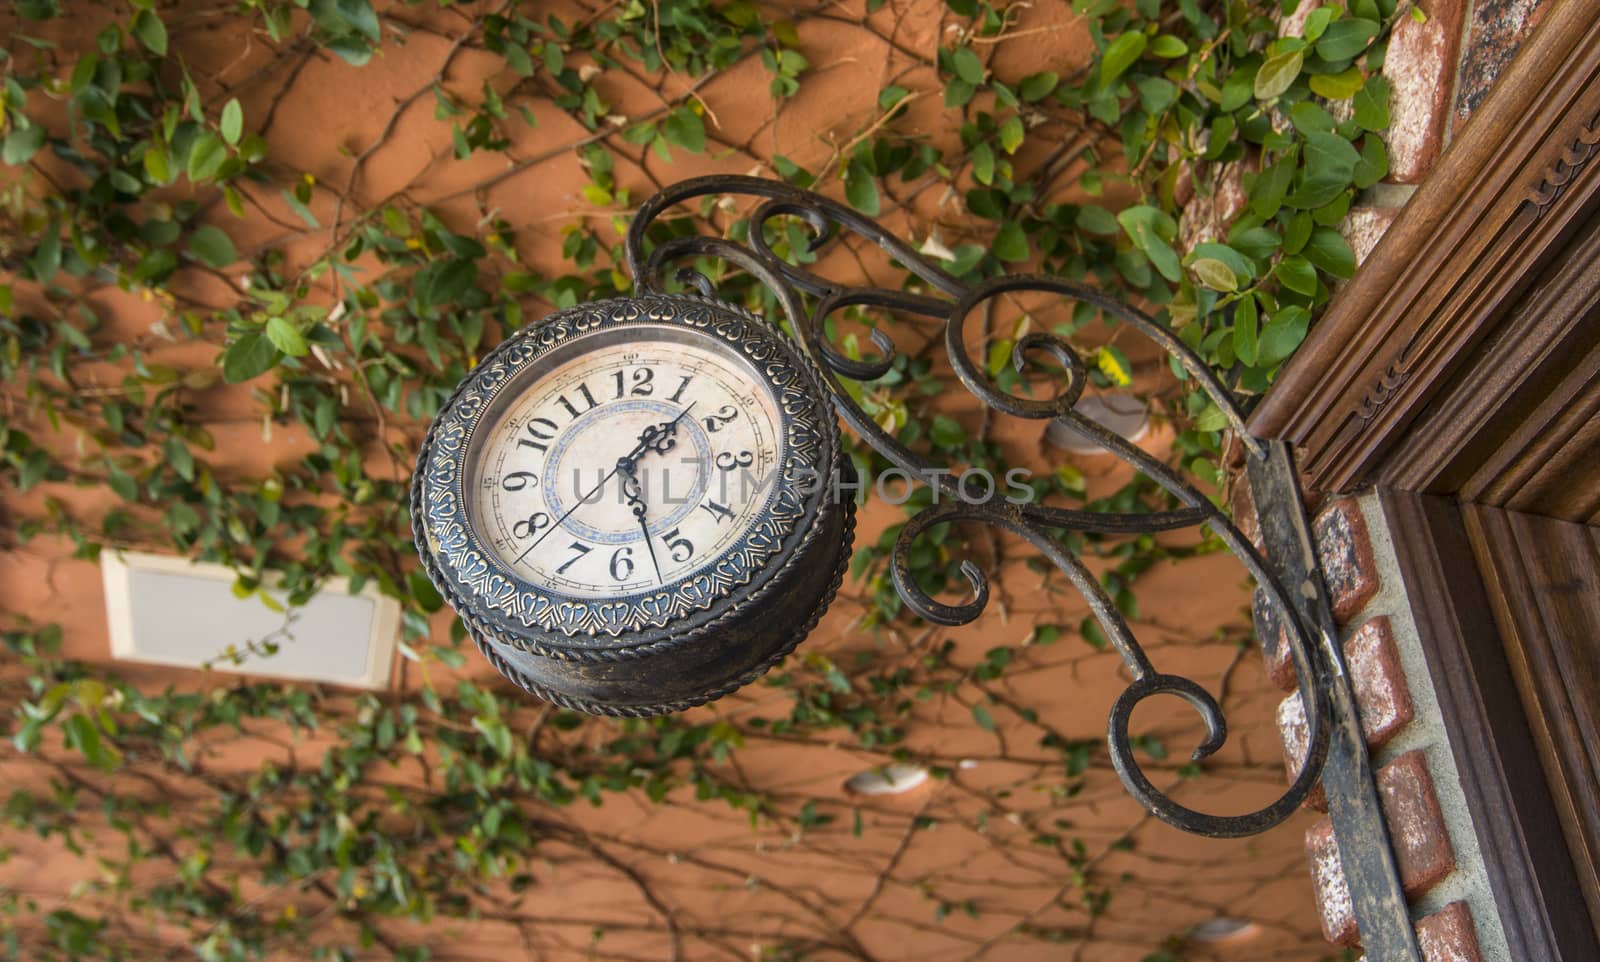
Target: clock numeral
<point>515,481</point>
<point>533,523</point>
<point>724,415</point>
<point>622,563</point>
<point>720,512</point>
<point>584,390</point>
<point>544,430</point>
<point>727,460</point>
<point>581,549</point>
<point>678,394</point>
<point>642,382</point>
<point>673,540</point>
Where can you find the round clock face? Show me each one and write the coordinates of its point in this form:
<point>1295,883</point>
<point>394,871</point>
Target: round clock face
<point>623,461</point>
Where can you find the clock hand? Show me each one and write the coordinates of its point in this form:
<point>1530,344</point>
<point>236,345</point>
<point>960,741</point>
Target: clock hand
<point>634,491</point>
<point>659,438</point>
<point>656,437</point>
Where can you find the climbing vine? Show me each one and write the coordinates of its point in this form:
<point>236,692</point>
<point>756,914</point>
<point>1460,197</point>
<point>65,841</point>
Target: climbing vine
<point>177,275</point>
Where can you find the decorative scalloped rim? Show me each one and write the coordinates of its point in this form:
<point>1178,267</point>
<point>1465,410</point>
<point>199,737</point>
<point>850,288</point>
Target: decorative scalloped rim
<point>561,699</point>
<point>469,571</point>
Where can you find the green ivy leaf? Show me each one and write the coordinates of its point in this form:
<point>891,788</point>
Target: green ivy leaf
<point>946,432</point>
<point>967,65</point>
<point>860,188</point>
<point>300,209</point>
<point>1328,250</point>
<point>46,258</point>
<point>957,93</point>
<point>684,128</point>
<point>1168,47</point>
<point>157,163</point>
<point>1215,275</point>
<point>232,125</point>
<point>1338,86</point>
<point>1257,243</point>
<point>180,458</point>
<point>1151,231</point>
<point>1211,419</point>
<point>352,50</point>
<point>983,164</point>
<point>1277,74</point>
<point>1237,263</point>
<point>1298,275</point>
<point>424,593</point>
<point>1012,134</point>
<point>1271,186</point>
<point>1282,335</point>
<point>1096,220</point>
<point>1239,87</point>
<point>1345,39</point>
<point>213,246</point>
<point>84,736</point>
<point>1010,243</point>
<point>1156,94</point>
<point>981,715</point>
<point>22,143</point>
<point>495,733</point>
<point>1330,166</point>
<point>150,31</point>
<point>1372,104</point>
<point>285,337</point>
<point>250,356</point>
<point>1374,165</point>
<point>360,15</point>
<point>1036,87</point>
<point>1317,21</point>
<point>206,157</point>
<point>1310,118</point>
<point>1245,323</point>
<point>1120,55</point>
<point>450,280</point>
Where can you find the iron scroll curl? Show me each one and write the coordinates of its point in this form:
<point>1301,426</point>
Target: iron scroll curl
<point>808,300</point>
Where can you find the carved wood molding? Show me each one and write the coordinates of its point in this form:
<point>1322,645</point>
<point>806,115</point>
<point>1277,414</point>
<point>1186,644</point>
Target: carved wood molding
<point>1517,187</point>
<point>1556,179</point>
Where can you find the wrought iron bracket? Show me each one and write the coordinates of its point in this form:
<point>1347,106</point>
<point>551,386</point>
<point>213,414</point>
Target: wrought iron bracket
<point>1336,751</point>
<point>1365,852</point>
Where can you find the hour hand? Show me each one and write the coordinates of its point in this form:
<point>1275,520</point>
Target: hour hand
<point>633,491</point>
<point>659,438</point>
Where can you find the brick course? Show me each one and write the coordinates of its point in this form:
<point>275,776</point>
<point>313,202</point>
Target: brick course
<point>1448,936</point>
<point>1382,695</point>
<point>1420,67</point>
<point>1423,853</point>
<point>1344,550</point>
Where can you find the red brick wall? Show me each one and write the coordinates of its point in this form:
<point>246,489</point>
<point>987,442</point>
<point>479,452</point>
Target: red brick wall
<point>1434,843</point>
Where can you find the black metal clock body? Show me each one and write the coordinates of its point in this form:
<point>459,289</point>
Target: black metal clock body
<point>630,504</point>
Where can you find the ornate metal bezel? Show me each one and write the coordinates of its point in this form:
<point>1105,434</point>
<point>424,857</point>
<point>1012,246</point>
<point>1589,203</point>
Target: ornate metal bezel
<point>510,609</point>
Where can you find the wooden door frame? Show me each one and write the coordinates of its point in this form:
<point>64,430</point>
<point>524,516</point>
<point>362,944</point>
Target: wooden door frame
<point>1459,373</point>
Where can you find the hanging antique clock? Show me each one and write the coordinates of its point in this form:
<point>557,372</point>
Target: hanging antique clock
<point>629,504</point>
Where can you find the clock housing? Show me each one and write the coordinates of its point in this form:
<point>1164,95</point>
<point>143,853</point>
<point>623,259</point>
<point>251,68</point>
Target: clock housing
<point>712,622</point>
